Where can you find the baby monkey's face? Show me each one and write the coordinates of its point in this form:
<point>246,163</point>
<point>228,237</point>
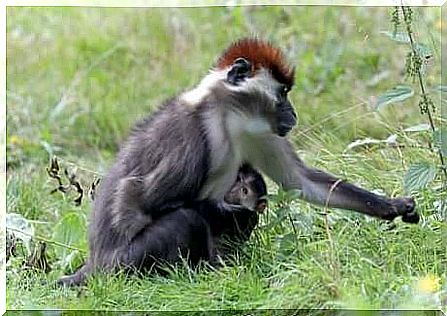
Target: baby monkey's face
<point>246,193</point>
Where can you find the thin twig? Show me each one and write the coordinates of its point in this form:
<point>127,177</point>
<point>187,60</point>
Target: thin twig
<point>421,84</point>
<point>80,167</point>
<point>293,227</point>
<point>333,262</point>
<point>49,241</point>
<point>328,232</point>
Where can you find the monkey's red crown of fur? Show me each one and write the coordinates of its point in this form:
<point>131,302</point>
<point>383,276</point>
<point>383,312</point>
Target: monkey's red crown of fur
<point>260,54</point>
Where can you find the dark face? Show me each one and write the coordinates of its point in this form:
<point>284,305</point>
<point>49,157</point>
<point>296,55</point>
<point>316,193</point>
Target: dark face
<point>248,191</point>
<point>285,116</point>
<point>285,113</point>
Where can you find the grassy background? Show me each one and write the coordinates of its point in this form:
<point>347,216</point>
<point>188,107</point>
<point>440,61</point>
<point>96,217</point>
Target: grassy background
<point>77,79</point>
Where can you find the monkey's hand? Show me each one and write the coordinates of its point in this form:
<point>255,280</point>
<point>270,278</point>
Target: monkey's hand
<point>405,207</point>
<point>286,117</point>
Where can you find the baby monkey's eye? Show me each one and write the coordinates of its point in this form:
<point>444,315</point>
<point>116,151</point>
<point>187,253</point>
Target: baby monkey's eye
<point>244,190</point>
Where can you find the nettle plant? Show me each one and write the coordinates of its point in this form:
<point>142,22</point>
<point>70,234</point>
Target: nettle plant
<point>420,174</point>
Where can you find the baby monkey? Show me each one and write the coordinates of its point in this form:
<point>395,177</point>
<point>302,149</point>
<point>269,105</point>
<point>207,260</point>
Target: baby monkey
<point>201,232</point>
<point>247,199</point>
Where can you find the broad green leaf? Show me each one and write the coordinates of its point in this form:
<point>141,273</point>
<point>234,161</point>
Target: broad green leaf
<point>21,228</point>
<point>72,258</point>
<point>418,128</point>
<point>440,140</point>
<point>70,231</point>
<point>418,176</point>
<point>397,94</point>
<point>424,51</point>
<point>400,37</point>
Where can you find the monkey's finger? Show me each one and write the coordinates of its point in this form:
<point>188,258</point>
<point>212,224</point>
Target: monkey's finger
<point>412,217</point>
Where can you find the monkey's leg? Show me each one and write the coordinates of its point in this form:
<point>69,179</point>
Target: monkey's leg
<point>181,233</point>
<point>77,278</point>
<point>276,158</point>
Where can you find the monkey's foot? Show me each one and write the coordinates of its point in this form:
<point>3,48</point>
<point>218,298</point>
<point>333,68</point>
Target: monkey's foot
<point>75,279</point>
<point>406,207</point>
<point>69,281</point>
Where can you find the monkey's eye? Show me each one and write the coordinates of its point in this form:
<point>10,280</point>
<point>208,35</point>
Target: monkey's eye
<point>283,90</point>
<point>244,190</point>
<point>240,70</point>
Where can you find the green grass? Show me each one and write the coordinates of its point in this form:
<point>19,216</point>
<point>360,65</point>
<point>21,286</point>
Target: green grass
<point>77,79</point>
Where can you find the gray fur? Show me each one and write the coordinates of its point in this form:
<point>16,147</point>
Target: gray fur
<point>202,233</point>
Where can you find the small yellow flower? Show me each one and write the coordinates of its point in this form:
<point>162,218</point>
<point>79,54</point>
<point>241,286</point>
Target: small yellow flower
<point>429,284</point>
<point>16,140</point>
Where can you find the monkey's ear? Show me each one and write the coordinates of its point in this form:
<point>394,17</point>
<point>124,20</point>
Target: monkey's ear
<point>240,70</point>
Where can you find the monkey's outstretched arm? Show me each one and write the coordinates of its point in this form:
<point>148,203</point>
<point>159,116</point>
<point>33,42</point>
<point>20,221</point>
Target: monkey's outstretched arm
<point>279,161</point>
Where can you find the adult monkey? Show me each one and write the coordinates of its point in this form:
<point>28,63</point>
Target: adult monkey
<point>190,150</point>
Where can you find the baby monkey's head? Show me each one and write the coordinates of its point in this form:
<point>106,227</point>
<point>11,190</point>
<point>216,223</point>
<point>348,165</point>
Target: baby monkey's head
<point>249,190</point>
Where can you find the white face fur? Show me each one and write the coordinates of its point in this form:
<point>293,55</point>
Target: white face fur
<point>230,134</point>
<point>203,89</point>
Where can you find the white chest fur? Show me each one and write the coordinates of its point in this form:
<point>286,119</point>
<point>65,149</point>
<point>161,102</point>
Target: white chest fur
<point>229,144</point>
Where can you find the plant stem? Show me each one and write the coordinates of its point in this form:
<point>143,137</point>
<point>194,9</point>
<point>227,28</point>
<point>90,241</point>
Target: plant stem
<point>422,85</point>
<point>48,241</point>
